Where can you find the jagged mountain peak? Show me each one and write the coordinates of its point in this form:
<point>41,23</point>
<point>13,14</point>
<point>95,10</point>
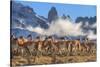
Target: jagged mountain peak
<point>52,14</point>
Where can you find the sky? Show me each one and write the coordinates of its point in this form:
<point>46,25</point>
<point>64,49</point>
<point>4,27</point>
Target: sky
<point>42,9</point>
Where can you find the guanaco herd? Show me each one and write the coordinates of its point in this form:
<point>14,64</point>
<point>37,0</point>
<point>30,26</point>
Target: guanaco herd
<point>50,45</point>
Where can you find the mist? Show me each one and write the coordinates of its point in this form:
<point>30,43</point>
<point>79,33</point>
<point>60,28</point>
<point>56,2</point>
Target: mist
<point>62,27</point>
<point>59,27</point>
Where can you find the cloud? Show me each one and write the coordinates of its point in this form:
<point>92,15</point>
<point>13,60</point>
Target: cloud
<point>59,27</point>
<point>93,25</point>
<point>91,35</point>
<point>63,27</point>
<point>90,25</point>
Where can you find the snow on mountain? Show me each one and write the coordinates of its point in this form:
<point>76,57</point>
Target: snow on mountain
<point>25,15</point>
<point>24,21</point>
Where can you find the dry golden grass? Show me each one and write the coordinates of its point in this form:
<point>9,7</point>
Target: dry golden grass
<point>37,60</point>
